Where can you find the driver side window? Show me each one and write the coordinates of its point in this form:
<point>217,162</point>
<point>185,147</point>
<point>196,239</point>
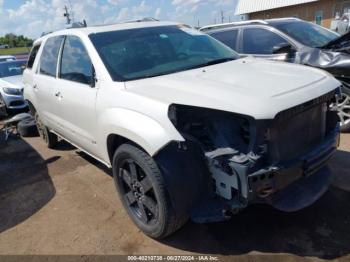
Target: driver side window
<point>76,65</point>
<point>260,41</point>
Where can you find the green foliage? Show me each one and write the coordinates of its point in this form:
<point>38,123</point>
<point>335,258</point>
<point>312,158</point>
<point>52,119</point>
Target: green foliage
<point>15,41</point>
<point>15,51</point>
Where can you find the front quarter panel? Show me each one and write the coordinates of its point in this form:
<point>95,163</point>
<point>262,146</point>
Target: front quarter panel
<point>139,119</point>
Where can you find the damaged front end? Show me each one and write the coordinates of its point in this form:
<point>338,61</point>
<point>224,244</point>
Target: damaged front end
<point>334,57</point>
<point>229,161</point>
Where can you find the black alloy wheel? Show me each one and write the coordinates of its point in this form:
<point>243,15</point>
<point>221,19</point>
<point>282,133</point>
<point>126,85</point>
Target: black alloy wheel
<point>138,192</point>
<point>143,192</point>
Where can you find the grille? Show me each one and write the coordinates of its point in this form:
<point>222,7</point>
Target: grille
<point>16,103</point>
<point>327,98</point>
<point>297,130</point>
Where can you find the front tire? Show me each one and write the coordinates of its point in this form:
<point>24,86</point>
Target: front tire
<point>143,193</point>
<point>49,138</point>
<point>344,110</point>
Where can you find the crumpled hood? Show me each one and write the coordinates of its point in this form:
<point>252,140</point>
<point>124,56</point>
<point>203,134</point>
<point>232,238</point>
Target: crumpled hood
<point>12,81</point>
<point>249,86</point>
<point>341,44</point>
<point>336,61</point>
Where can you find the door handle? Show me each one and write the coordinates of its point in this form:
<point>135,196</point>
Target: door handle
<point>57,94</point>
<point>35,87</point>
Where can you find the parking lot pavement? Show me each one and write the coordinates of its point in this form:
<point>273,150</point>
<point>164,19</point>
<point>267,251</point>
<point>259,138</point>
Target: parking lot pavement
<point>63,202</point>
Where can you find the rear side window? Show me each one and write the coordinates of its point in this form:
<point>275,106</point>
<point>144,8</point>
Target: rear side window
<point>76,64</point>
<point>32,56</point>
<point>228,37</point>
<point>48,61</point>
<point>260,41</point>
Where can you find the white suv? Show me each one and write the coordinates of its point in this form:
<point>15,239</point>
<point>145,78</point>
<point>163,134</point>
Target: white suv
<point>189,129</point>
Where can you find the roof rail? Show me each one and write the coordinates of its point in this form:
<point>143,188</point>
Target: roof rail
<point>283,18</point>
<point>247,22</point>
<point>79,24</point>
<point>146,19</point>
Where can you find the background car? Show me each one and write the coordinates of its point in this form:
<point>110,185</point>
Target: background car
<point>4,58</point>
<point>292,40</point>
<point>343,26</point>
<point>11,86</point>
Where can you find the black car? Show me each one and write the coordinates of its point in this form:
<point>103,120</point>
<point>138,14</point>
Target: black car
<point>296,41</point>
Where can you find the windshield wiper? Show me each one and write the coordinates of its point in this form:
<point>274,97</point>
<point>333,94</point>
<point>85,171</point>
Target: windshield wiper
<point>213,62</point>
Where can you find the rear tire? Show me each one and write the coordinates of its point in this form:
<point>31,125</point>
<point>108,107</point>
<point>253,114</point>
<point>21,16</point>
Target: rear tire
<point>49,138</point>
<point>27,128</point>
<point>143,193</point>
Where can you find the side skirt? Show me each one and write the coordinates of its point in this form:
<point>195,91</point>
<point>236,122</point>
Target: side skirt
<point>81,149</point>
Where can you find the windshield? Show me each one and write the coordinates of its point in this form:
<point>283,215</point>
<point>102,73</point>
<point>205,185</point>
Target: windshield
<point>308,34</point>
<point>12,68</point>
<point>147,52</point>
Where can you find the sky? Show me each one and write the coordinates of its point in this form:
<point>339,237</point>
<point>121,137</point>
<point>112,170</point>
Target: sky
<point>33,17</point>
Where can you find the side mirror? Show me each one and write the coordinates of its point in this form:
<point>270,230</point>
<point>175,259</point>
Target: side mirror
<point>283,48</point>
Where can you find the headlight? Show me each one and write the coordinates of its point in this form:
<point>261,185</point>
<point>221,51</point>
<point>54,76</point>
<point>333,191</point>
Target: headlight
<point>213,129</point>
<point>13,91</point>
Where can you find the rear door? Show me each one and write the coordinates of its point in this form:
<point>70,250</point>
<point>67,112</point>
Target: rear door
<point>77,94</point>
<point>260,42</point>
<point>227,36</point>
<point>45,85</point>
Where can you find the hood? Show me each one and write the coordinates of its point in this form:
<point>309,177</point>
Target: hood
<point>12,81</point>
<point>341,44</point>
<point>248,86</point>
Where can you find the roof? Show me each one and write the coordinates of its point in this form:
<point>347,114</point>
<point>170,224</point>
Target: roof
<point>252,6</point>
<point>246,22</point>
<point>232,24</point>
<point>106,28</point>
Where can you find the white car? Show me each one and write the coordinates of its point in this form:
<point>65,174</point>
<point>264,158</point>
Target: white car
<point>189,129</point>
<point>343,26</point>
<point>11,86</point>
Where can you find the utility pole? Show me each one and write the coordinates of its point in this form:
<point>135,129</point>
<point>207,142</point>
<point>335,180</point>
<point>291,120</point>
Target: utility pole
<point>72,12</point>
<point>222,17</point>
<point>67,15</point>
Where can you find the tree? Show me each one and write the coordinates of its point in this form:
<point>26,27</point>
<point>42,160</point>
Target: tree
<point>15,41</point>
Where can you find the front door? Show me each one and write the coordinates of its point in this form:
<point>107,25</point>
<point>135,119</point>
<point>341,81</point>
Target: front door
<point>77,94</point>
<point>260,42</point>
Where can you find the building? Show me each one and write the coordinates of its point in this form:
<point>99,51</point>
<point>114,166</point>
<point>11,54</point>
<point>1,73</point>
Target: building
<point>322,12</point>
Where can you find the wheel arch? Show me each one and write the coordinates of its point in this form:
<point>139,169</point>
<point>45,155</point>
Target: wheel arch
<point>120,125</point>
<point>114,141</point>
<point>32,108</point>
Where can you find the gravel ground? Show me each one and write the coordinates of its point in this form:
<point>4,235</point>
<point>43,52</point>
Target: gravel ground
<point>63,202</point>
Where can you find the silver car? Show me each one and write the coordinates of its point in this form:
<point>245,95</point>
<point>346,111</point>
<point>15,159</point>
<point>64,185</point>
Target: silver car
<point>5,58</point>
<point>344,24</point>
<point>11,87</point>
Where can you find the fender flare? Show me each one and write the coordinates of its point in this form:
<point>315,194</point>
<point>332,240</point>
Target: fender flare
<point>139,128</point>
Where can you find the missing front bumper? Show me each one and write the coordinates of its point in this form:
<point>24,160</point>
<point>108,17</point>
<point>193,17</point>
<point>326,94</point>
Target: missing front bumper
<point>288,187</point>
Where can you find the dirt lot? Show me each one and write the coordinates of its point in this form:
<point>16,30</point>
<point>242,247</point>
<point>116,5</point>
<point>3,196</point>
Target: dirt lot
<point>63,202</point>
